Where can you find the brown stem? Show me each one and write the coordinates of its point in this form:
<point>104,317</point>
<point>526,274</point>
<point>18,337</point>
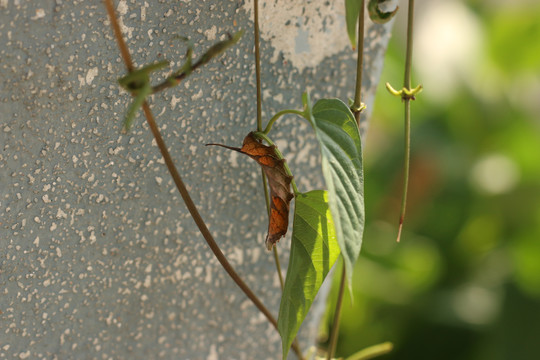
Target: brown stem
<point>197,216</point>
<point>202,225</point>
<point>182,188</point>
<point>124,51</point>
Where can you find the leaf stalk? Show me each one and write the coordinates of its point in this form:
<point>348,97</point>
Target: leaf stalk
<point>280,114</point>
<point>337,316</point>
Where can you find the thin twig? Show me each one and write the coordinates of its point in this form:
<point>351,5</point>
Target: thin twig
<point>407,101</point>
<point>258,64</point>
<point>278,268</point>
<point>408,58</point>
<point>256,36</point>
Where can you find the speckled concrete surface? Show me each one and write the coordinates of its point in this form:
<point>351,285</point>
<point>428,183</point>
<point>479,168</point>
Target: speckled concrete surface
<point>99,258</point>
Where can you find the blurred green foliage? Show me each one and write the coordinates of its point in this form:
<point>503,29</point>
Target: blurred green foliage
<point>464,283</point>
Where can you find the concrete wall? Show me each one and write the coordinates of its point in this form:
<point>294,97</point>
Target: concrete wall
<point>99,258</point>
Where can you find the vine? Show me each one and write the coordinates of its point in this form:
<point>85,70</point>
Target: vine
<point>328,224</point>
<point>126,57</point>
<point>407,94</point>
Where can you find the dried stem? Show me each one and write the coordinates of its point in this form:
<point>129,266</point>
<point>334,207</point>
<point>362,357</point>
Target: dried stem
<point>124,51</point>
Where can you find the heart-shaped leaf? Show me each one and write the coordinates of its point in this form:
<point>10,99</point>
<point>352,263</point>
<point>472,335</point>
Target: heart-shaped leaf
<point>314,250</point>
<point>341,149</point>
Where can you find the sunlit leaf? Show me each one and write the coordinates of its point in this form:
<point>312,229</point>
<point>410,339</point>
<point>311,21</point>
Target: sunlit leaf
<point>314,250</point>
<point>339,139</point>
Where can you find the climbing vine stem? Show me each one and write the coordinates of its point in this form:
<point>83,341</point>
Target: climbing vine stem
<point>407,101</point>
<point>407,94</point>
<point>357,106</point>
<point>257,63</point>
<point>180,184</point>
<point>257,42</point>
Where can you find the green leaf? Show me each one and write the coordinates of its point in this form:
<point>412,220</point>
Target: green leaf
<point>341,149</point>
<point>352,9</point>
<point>378,16</point>
<point>314,250</point>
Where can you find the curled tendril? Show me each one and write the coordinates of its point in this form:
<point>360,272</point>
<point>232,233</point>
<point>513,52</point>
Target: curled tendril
<point>404,93</point>
<point>378,16</point>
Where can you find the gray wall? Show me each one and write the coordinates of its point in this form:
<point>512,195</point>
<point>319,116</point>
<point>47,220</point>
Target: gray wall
<point>99,258</point>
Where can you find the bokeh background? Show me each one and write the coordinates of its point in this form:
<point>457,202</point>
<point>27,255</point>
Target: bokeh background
<point>464,283</point>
